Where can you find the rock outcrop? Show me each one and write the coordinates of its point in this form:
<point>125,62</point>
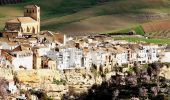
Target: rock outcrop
<point>37,76</point>
<point>6,73</point>
<point>165,72</point>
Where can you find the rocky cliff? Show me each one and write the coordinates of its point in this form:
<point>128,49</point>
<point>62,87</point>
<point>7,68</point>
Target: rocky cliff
<point>165,72</point>
<point>6,73</point>
<point>37,76</point>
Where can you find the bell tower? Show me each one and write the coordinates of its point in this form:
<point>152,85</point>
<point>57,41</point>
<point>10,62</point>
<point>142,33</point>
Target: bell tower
<point>33,11</point>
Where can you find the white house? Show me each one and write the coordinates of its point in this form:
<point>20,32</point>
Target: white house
<point>121,55</point>
<point>2,61</point>
<point>42,50</point>
<point>70,58</point>
<point>11,86</point>
<point>147,54</point>
<point>67,58</point>
<point>8,46</point>
<point>93,56</point>
<point>52,54</point>
<point>165,54</point>
<point>166,57</point>
<point>22,58</point>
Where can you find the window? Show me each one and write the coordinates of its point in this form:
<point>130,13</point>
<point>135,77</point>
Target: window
<point>33,30</point>
<point>28,30</point>
<point>22,29</point>
<point>147,51</point>
<point>15,55</point>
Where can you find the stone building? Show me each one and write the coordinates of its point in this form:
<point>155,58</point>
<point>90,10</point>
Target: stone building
<point>27,25</point>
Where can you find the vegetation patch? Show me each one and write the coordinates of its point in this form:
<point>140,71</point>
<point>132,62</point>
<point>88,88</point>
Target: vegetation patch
<point>137,29</point>
<point>149,40</point>
<point>59,82</point>
<point>2,16</point>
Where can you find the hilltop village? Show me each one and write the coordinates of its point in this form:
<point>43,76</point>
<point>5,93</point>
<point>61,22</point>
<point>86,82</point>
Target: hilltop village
<point>56,63</point>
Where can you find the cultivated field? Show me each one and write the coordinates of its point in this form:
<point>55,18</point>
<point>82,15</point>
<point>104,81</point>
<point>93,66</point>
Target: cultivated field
<point>157,29</point>
<point>72,16</point>
<point>156,26</point>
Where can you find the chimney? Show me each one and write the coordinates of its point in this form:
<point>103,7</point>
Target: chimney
<point>65,39</point>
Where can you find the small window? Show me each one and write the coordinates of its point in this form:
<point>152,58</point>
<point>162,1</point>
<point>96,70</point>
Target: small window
<point>28,30</point>
<point>22,29</point>
<point>15,55</point>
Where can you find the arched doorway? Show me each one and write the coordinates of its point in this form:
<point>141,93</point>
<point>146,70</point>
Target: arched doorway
<point>28,30</point>
<point>22,29</point>
<point>33,30</point>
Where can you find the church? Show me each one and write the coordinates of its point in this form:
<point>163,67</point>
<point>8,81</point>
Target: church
<point>27,25</point>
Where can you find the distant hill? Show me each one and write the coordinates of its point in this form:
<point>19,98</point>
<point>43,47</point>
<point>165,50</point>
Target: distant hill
<point>3,2</point>
<point>71,16</point>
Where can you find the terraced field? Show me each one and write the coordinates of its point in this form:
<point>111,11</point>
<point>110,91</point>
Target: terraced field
<point>70,16</point>
<point>156,26</point>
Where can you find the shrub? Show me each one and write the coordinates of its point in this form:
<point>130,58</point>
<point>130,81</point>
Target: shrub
<point>59,82</point>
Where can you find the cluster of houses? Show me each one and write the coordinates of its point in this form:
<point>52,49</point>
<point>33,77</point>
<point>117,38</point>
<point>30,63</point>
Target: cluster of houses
<point>24,46</point>
<point>56,51</point>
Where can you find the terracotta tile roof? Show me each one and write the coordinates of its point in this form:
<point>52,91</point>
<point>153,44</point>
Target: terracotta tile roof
<point>47,33</point>
<point>32,39</point>
<point>13,21</point>
<point>22,20</point>
<point>26,45</point>
<point>12,43</point>
<point>4,40</point>
<point>59,38</point>
<point>31,6</point>
<point>26,19</point>
<point>21,48</point>
<point>51,36</point>
<point>132,47</point>
<point>6,54</point>
<point>85,50</point>
<point>118,49</point>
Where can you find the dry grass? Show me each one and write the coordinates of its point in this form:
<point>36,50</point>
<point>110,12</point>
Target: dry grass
<point>97,18</point>
<point>106,17</point>
<point>7,13</point>
<point>98,24</point>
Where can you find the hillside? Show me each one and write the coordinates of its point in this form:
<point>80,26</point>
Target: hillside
<point>3,2</point>
<point>72,16</point>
